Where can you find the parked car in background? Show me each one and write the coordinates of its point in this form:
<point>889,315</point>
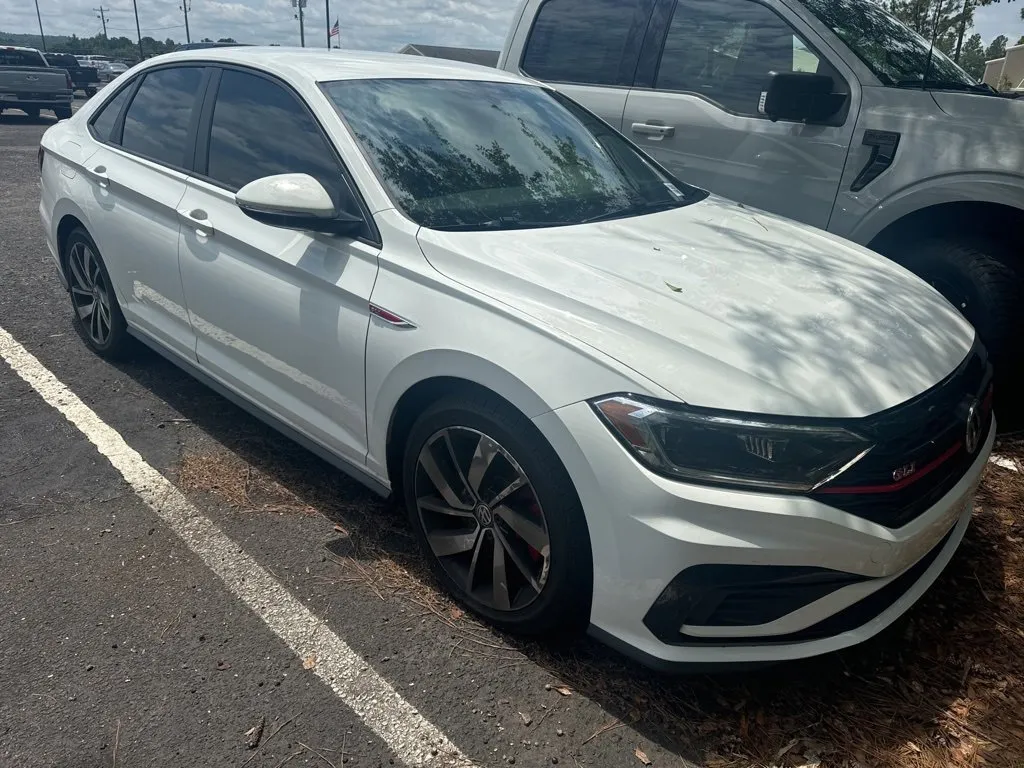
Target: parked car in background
<point>829,112</point>
<point>603,395</point>
<point>83,78</point>
<point>28,83</point>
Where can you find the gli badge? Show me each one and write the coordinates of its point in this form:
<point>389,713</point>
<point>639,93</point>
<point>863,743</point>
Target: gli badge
<point>901,473</point>
<point>972,435</point>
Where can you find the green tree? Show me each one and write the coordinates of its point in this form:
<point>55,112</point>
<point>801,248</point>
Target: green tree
<point>997,48</point>
<point>227,40</point>
<point>972,57</point>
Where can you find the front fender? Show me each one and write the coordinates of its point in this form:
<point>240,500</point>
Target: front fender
<point>996,188</point>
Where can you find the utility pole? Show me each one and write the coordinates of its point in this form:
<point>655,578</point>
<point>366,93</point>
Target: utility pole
<point>184,6</point>
<point>138,30</point>
<point>103,18</point>
<point>39,18</point>
<point>328,12</point>
<point>300,4</point>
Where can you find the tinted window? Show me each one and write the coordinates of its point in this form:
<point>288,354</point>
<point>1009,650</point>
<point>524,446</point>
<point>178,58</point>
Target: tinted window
<point>726,49</point>
<point>894,52</point>
<point>261,129</point>
<point>458,154</point>
<point>586,41</point>
<point>12,58</point>
<point>158,119</point>
<point>103,123</point>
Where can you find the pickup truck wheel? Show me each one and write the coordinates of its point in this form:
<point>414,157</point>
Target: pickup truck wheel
<point>90,92</point>
<point>32,112</point>
<point>984,282</point>
<point>62,113</point>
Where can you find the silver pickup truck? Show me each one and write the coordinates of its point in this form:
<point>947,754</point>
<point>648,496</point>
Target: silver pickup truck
<point>28,83</point>
<point>830,112</point>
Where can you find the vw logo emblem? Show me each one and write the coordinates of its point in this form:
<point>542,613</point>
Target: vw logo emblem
<point>972,436</point>
<point>484,515</point>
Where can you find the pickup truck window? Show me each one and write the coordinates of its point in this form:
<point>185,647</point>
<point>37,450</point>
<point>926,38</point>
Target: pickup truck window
<point>724,50</point>
<point>895,53</point>
<point>9,57</point>
<point>596,42</point>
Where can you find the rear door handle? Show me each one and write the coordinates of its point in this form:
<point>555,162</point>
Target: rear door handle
<point>198,220</point>
<point>99,175</point>
<point>654,129</point>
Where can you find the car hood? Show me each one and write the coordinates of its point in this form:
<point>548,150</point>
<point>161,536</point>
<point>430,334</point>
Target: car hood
<point>724,306</point>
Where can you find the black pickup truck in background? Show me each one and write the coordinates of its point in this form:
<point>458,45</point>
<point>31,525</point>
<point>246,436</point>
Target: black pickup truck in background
<point>85,79</point>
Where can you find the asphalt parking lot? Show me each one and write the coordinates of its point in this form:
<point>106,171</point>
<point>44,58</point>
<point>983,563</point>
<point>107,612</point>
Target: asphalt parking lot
<point>300,625</point>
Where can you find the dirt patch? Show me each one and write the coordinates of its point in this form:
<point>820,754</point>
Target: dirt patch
<point>943,687</point>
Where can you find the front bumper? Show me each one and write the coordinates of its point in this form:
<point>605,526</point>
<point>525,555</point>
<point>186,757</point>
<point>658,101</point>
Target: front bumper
<point>646,530</point>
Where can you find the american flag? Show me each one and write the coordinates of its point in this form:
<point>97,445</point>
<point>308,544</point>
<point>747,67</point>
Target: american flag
<point>336,29</point>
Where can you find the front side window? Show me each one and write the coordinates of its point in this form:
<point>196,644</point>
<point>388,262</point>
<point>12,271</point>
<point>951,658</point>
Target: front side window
<point>104,121</point>
<point>895,53</point>
<point>480,155</point>
<point>261,129</point>
<point>586,41</point>
<point>726,50</point>
<point>157,122</point>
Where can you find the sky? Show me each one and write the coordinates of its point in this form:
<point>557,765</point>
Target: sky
<point>367,24</point>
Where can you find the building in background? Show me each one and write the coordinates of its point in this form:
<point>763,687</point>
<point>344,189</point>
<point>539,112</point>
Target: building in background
<point>468,55</point>
<point>1006,73</point>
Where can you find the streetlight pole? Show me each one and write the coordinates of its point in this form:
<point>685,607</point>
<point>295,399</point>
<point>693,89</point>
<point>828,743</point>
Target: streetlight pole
<point>138,30</point>
<point>39,18</point>
<point>328,12</point>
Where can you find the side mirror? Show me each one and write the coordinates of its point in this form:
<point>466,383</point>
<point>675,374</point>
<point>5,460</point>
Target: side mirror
<point>295,201</point>
<point>801,96</point>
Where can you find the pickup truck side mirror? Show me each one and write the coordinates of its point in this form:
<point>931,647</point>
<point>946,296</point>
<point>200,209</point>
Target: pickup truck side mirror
<point>801,96</point>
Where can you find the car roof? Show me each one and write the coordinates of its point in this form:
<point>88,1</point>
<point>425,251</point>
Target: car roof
<point>18,48</point>
<point>325,65</point>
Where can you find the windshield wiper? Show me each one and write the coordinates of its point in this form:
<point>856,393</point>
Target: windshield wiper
<point>503,222</point>
<point>636,210</point>
<point>948,85</point>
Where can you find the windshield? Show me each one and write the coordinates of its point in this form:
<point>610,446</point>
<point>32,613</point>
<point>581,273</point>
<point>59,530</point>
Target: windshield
<point>893,51</point>
<point>458,154</point>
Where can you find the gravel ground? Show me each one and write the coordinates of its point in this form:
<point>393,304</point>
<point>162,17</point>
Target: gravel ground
<point>118,646</point>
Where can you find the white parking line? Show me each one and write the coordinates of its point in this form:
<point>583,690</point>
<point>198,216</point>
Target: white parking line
<point>413,739</point>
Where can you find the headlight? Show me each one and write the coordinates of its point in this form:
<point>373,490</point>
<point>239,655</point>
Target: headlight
<point>723,448</point>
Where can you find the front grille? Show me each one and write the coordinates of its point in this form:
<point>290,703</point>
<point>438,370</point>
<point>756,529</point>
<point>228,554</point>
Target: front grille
<point>927,434</point>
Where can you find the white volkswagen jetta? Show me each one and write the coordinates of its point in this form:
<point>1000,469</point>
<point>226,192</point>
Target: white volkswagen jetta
<point>605,397</point>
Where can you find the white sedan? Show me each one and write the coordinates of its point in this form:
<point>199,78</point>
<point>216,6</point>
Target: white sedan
<point>607,398</point>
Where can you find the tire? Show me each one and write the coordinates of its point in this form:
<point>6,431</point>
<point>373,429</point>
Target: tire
<point>984,282</point>
<point>32,112</point>
<point>62,113</point>
<point>90,285</point>
<point>563,569</point>
<point>90,92</point>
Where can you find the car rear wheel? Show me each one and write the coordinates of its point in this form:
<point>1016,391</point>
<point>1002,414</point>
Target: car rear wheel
<point>498,516</point>
<point>97,315</point>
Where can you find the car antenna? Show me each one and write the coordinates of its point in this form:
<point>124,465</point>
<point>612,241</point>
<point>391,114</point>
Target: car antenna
<point>931,48</point>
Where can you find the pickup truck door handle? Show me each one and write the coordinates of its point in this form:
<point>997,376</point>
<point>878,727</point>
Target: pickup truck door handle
<point>654,129</point>
<point>99,175</point>
<point>197,219</point>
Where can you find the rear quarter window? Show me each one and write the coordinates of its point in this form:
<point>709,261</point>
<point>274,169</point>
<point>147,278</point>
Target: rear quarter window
<point>593,42</point>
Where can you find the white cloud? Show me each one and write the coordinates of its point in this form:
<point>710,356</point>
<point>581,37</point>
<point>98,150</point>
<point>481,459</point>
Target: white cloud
<point>365,24</point>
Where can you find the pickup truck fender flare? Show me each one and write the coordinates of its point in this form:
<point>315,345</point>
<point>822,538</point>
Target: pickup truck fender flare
<point>995,188</point>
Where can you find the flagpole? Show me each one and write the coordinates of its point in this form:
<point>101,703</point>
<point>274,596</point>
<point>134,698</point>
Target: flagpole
<point>328,23</point>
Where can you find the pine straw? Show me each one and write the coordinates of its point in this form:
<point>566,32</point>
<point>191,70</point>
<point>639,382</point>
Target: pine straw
<point>942,688</point>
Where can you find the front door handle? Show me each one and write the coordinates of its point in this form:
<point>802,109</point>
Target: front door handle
<point>198,220</point>
<point>655,130</point>
<point>99,175</point>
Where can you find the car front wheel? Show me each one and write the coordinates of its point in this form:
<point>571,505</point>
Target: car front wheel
<point>498,516</point>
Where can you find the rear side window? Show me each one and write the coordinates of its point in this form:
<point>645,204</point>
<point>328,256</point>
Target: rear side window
<point>587,41</point>
<point>104,121</point>
<point>261,129</point>
<point>156,125</point>
<point>13,58</point>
